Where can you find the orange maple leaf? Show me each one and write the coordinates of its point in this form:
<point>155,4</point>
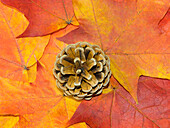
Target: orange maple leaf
<point>8,121</point>
<point>134,34</point>
<point>25,104</point>
<point>39,104</point>
<point>45,17</point>
<point>117,109</point>
<point>18,56</point>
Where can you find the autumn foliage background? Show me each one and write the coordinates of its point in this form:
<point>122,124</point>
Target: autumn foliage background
<point>133,33</point>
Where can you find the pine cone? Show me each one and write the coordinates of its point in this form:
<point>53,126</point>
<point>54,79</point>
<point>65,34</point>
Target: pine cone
<point>82,70</point>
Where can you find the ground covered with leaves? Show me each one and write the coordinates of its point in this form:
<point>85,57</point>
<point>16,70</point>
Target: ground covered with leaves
<point>134,34</point>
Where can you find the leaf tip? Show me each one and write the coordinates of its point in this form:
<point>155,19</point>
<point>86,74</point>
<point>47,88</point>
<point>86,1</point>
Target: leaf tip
<point>134,95</point>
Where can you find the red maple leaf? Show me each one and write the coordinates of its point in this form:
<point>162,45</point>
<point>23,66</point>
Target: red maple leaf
<point>117,109</point>
<point>44,16</point>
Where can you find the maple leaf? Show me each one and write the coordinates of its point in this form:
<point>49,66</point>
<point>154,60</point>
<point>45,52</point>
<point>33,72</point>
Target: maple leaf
<point>40,103</point>
<point>134,34</point>
<point>36,104</point>
<point>44,17</point>
<point>18,56</point>
<point>45,105</point>
<point>26,98</point>
<point>8,121</point>
<point>117,109</point>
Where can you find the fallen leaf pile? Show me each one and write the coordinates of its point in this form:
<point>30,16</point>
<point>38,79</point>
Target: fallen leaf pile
<point>134,34</point>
